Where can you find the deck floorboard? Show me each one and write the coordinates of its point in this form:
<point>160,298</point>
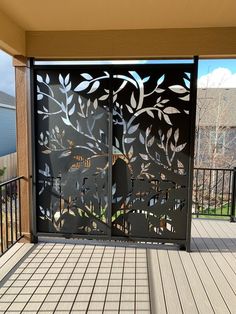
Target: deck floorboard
<point>93,278</point>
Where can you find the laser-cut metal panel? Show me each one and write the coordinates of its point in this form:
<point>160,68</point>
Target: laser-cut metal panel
<point>151,151</point>
<point>72,151</point>
<point>113,149</point>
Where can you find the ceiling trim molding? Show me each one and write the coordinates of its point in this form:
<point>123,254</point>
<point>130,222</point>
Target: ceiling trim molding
<point>153,43</point>
<point>12,37</point>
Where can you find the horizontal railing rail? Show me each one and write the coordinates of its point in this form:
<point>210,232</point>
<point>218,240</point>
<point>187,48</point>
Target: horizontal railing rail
<point>10,213</point>
<point>214,192</point>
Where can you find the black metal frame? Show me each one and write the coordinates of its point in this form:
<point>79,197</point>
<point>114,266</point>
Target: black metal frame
<point>184,243</point>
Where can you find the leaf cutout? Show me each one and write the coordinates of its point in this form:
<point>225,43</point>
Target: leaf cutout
<point>65,154</point>
<point>46,151</point>
<point>69,99</point>
<point>159,90</point>
<point>68,87</point>
<point>104,97</point>
<point>63,107</point>
<point>61,79</point>
<point>66,121</point>
<point>141,138</point>
<point>159,114</point>
<point>185,98</point>
<point>63,90</point>
<point>129,109</point>
<point>180,165</point>
<point>186,111</point>
<point>117,143</point>
<point>39,96</point>
<point>67,79</point>
<point>171,110</point>
<point>39,79</point>
<point>150,113</point>
<point>86,76</point>
<point>167,119</point>
<point>151,141</point>
<point>180,147</point>
<point>178,89</point>
<point>144,156</point>
<point>94,87</point>
<point>72,110</point>
<point>47,79</point>
<point>82,86</point>
<point>187,75</point>
<point>114,99</point>
<point>146,79</point>
<point>133,101</point>
<point>187,83</point>
<point>164,101</point>
<point>131,151</point>
<point>169,133</point>
<point>90,145</point>
<point>95,104</point>
<point>160,80</point>
<point>133,128</point>
<point>172,147</point>
<point>148,131</point>
<point>176,135</point>
<point>129,140</point>
<point>38,89</point>
<point>133,159</point>
<point>158,157</point>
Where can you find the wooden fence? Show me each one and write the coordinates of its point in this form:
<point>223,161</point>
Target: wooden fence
<point>10,163</point>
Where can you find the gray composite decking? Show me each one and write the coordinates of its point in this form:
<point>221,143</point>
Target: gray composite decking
<point>83,278</point>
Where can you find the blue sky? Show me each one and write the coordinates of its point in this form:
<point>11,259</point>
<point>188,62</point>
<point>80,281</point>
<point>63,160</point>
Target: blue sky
<point>211,73</point>
<point>7,75</point>
<point>207,66</point>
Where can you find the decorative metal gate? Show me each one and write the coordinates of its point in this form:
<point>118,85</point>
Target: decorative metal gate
<point>113,152</point>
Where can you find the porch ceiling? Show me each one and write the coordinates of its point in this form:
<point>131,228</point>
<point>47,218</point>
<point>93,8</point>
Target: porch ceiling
<point>57,15</point>
<point>121,29</point>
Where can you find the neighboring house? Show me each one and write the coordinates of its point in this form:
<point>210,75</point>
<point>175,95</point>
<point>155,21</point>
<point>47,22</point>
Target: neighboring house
<point>7,124</point>
<point>215,144</point>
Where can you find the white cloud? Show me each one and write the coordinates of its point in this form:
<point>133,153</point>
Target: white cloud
<point>7,76</point>
<point>219,78</point>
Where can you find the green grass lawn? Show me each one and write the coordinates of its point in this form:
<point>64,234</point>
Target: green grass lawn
<point>214,213</point>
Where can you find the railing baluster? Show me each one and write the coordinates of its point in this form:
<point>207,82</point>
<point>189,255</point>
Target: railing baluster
<point>6,215</point>
<point>203,186</point>
<point>209,190</point>
<point>9,214</point>
<point>216,184</point>
<point>222,191</point>
<point>19,208</point>
<point>229,191</point>
<point>11,196</point>
<point>232,214</point>
<point>1,224</point>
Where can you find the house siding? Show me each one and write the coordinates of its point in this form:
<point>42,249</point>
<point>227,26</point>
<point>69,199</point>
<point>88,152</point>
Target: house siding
<point>7,131</point>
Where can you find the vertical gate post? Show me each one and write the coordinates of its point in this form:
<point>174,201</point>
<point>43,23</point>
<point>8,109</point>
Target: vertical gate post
<point>233,198</point>
<point>24,163</point>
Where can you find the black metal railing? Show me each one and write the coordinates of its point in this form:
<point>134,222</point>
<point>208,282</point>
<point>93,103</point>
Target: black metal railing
<point>214,192</point>
<point>10,213</point>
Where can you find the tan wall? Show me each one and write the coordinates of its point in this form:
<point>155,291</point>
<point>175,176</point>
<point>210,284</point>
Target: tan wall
<point>12,37</point>
<point>205,42</point>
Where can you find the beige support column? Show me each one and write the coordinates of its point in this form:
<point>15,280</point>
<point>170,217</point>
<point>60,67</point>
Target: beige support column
<point>23,141</point>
